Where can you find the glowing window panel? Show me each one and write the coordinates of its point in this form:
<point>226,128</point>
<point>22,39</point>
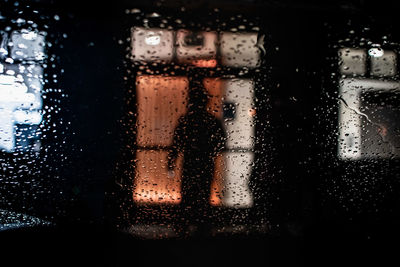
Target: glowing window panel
<point>27,45</point>
<point>240,130</point>
<point>239,49</point>
<point>232,101</point>
<point>384,65</point>
<point>357,125</point>
<point>152,182</point>
<point>20,104</point>
<point>375,52</point>
<point>194,46</point>
<point>161,101</point>
<point>352,61</point>
<point>152,45</point>
<point>237,193</point>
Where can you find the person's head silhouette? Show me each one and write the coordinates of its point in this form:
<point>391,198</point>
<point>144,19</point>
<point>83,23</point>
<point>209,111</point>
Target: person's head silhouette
<point>198,96</point>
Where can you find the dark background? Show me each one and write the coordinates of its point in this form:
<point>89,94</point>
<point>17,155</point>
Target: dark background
<point>322,211</point>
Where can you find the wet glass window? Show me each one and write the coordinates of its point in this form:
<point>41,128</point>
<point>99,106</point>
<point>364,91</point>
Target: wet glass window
<point>194,104</point>
<point>31,131</point>
<point>270,131</point>
<point>363,109</point>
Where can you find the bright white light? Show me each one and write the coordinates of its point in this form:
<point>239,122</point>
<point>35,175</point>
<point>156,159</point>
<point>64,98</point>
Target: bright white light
<point>29,35</point>
<point>375,52</point>
<point>27,45</point>
<point>17,106</point>
<point>152,39</point>
<point>3,51</point>
<point>238,168</point>
<point>27,117</point>
<point>240,134</point>
<point>240,49</point>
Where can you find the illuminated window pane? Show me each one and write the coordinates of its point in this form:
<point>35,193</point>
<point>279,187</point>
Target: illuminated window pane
<point>239,49</point>
<point>161,101</point>
<point>152,45</point>
<point>27,45</point>
<point>153,183</point>
<point>237,173</point>
<point>235,95</point>
<point>20,107</point>
<point>195,46</point>
<point>384,65</point>
<point>352,61</point>
<point>381,131</point>
<point>356,118</point>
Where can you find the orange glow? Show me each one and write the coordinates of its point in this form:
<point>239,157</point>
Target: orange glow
<point>214,87</point>
<point>205,63</point>
<point>161,101</point>
<point>153,184</point>
<point>217,184</point>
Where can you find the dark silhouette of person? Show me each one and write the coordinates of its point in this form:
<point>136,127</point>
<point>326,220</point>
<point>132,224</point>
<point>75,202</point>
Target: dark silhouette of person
<point>200,137</point>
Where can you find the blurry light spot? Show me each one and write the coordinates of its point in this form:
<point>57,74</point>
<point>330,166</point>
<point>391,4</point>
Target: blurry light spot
<point>375,52</point>
<point>202,63</point>
<point>252,112</point>
<point>152,39</point>
<point>154,15</point>
<point>29,35</point>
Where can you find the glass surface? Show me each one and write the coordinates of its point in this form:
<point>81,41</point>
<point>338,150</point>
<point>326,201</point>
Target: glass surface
<point>268,130</point>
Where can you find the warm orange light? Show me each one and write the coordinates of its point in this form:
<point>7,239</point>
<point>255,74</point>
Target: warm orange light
<point>217,184</point>
<point>161,101</point>
<point>153,184</point>
<point>205,63</point>
<point>252,112</point>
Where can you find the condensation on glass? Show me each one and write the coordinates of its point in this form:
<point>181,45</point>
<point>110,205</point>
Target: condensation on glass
<point>369,104</point>
<point>163,99</point>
